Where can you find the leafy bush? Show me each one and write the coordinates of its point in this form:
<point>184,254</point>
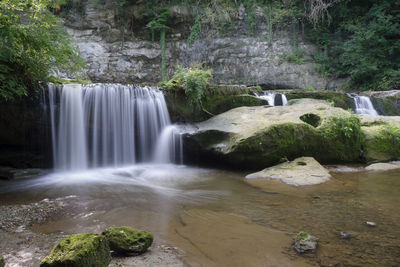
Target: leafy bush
<point>32,44</point>
<point>192,80</point>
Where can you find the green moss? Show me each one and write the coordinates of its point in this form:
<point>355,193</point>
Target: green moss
<point>58,80</point>
<point>79,250</point>
<point>128,240</point>
<point>340,100</point>
<point>302,236</point>
<point>2,262</point>
<point>301,163</point>
<point>343,137</point>
<point>387,141</point>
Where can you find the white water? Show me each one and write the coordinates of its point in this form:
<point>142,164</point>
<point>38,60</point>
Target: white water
<point>270,97</point>
<point>110,125</point>
<point>363,105</point>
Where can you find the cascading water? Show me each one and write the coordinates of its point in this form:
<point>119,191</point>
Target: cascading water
<point>111,125</point>
<point>273,99</point>
<point>363,104</point>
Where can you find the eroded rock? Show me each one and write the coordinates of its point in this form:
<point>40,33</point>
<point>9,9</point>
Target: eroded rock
<point>299,172</point>
<point>382,167</point>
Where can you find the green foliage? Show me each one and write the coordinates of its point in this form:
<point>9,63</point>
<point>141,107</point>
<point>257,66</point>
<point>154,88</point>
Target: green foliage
<point>296,57</point>
<point>193,80</point>
<point>368,52</point>
<point>159,22</point>
<point>343,133</point>
<point>195,31</point>
<point>32,44</point>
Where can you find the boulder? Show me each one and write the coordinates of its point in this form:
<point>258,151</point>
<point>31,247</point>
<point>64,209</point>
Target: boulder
<point>301,171</point>
<point>79,250</point>
<point>257,137</point>
<point>262,136</point>
<point>305,242</point>
<point>382,167</point>
<point>128,240</point>
<point>381,137</point>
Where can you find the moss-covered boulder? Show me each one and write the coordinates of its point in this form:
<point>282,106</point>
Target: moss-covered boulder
<point>128,240</point>
<point>338,99</point>
<point>79,250</point>
<point>381,137</point>
<point>305,242</point>
<point>215,100</point>
<point>2,262</point>
<point>258,137</point>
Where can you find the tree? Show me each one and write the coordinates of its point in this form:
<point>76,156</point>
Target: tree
<point>32,45</point>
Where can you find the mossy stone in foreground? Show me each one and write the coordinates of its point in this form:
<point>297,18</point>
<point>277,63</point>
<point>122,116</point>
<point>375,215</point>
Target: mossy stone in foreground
<point>305,242</point>
<point>2,262</point>
<point>79,250</point>
<point>128,240</point>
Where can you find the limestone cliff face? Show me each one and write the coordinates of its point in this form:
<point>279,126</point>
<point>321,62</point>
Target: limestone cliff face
<point>129,56</point>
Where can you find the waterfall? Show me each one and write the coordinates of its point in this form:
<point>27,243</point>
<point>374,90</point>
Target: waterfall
<point>363,105</point>
<point>111,125</point>
<point>273,99</point>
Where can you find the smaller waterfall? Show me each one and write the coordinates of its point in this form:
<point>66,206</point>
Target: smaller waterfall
<point>363,104</point>
<point>273,99</point>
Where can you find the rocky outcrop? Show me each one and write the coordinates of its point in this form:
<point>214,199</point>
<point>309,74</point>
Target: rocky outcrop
<point>258,137</point>
<point>127,54</point>
<point>79,250</point>
<point>299,172</point>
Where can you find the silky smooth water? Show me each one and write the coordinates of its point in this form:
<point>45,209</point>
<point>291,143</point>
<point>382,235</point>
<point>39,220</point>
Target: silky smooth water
<point>218,219</point>
<point>110,125</point>
<point>363,105</point>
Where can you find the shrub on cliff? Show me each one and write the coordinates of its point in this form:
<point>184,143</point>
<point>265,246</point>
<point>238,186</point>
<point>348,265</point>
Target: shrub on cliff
<point>192,80</point>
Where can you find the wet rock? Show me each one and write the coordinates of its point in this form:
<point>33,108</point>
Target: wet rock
<point>2,262</point>
<point>79,250</point>
<point>299,172</point>
<point>305,242</point>
<point>382,167</point>
<point>371,224</point>
<point>345,235</point>
<point>128,240</point>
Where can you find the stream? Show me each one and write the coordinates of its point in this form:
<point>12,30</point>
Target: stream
<point>218,219</point>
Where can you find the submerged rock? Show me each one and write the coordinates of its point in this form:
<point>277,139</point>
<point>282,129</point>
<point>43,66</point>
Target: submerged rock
<point>305,242</point>
<point>79,250</point>
<point>371,224</point>
<point>301,171</point>
<point>128,240</point>
<point>382,167</point>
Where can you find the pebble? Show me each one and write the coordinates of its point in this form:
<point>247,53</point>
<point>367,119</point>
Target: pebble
<point>370,224</point>
<point>345,235</point>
